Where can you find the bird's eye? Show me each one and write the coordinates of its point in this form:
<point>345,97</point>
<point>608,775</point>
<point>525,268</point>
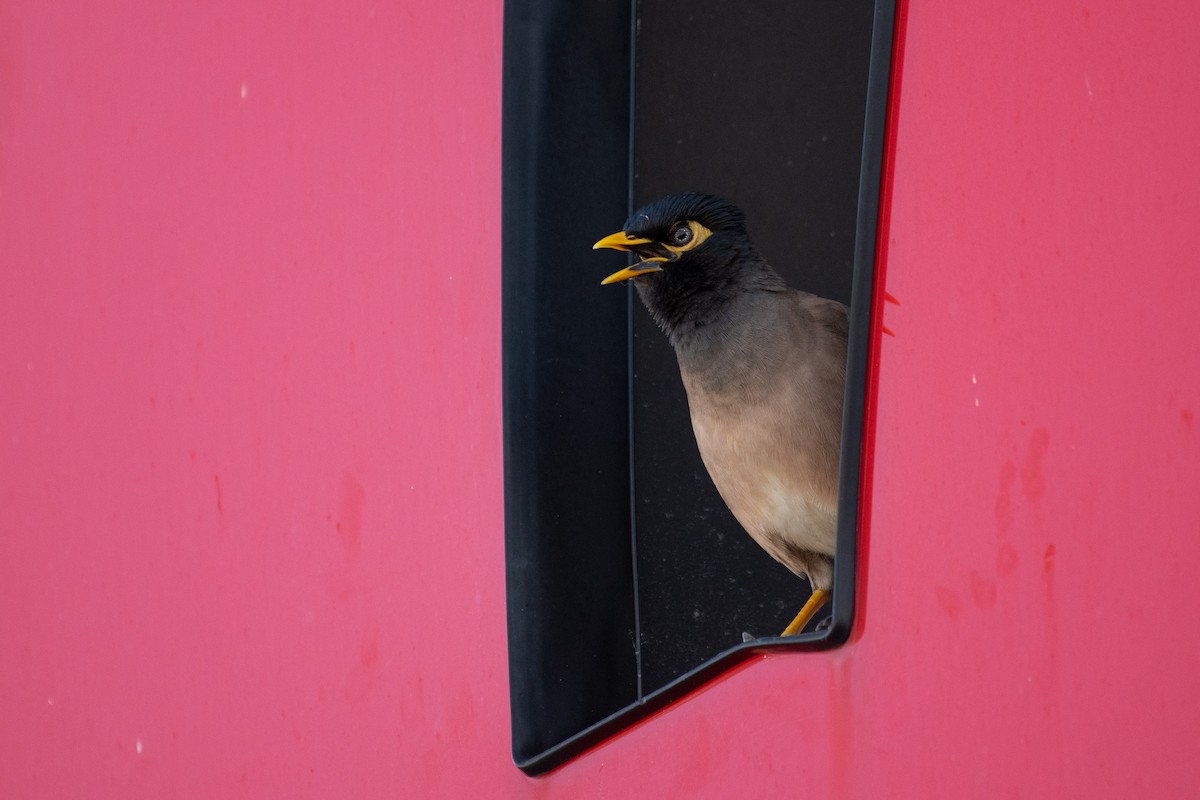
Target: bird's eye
<point>681,235</point>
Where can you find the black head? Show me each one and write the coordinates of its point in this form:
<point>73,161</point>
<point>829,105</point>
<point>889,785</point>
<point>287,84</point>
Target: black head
<point>660,219</point>
<point>695,258</point>
<point>683,231</point>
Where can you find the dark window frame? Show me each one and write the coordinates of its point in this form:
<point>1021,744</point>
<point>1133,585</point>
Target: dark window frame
<point>572,600</point>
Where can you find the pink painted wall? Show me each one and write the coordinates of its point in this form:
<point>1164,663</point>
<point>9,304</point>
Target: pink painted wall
<point>250,478</point>
<point>250,443</point>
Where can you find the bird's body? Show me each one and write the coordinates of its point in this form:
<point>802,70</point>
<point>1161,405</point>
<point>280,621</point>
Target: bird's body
<point>763,365</point>
<point>766,407</point>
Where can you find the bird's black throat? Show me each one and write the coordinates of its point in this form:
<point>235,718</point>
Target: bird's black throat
<point>691,299</point>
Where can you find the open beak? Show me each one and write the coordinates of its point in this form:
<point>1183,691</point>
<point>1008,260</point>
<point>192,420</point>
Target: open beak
<point>622,241</point>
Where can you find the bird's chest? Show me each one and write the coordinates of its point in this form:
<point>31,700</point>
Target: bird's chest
<point>767,473</point>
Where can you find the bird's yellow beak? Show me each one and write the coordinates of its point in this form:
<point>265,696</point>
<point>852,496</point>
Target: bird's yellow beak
<point>620,241</point>
<point>626,243</point>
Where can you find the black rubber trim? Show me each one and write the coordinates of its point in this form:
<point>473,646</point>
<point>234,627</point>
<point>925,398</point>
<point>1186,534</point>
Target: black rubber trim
<point>571,594</point>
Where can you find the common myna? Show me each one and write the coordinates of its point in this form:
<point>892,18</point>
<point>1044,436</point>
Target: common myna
<point>764,367</point>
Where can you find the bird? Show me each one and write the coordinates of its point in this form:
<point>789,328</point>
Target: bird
<point>764,368</point>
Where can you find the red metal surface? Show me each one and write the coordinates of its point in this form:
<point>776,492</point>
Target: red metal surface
<point>250,444</point>
<point>250,454</point>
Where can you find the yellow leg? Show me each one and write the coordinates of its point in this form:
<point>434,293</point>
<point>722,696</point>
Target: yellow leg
<point>819,598</point>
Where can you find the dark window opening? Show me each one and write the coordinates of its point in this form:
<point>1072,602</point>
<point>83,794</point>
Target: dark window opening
<point>629,581</point>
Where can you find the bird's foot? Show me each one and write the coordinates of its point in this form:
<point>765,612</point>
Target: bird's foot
<point>819,598</point>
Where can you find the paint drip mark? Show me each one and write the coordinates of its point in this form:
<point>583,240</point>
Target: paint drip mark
<point>1004,509</point>
<point>1006,560</point>
<point>368,651</point>
<point>220,503</point>
<point>1050,703</point>
<point>947,598</point>
<point>1033,481</point>
<point>841,735</point>
<point>983,590</point>
<point>350,516</point>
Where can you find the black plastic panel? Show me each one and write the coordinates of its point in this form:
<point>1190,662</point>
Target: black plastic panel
<point>569,579</point>
<point>778,107</point>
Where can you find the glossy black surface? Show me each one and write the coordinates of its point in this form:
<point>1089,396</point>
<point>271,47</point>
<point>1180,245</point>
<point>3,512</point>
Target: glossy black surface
<point>780,108</point>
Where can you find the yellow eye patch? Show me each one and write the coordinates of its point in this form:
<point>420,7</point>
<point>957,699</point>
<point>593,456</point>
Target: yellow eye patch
<point>686,236</point>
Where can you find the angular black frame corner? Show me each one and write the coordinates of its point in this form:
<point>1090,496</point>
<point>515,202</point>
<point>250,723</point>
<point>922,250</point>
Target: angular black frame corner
<point>567,175</point>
